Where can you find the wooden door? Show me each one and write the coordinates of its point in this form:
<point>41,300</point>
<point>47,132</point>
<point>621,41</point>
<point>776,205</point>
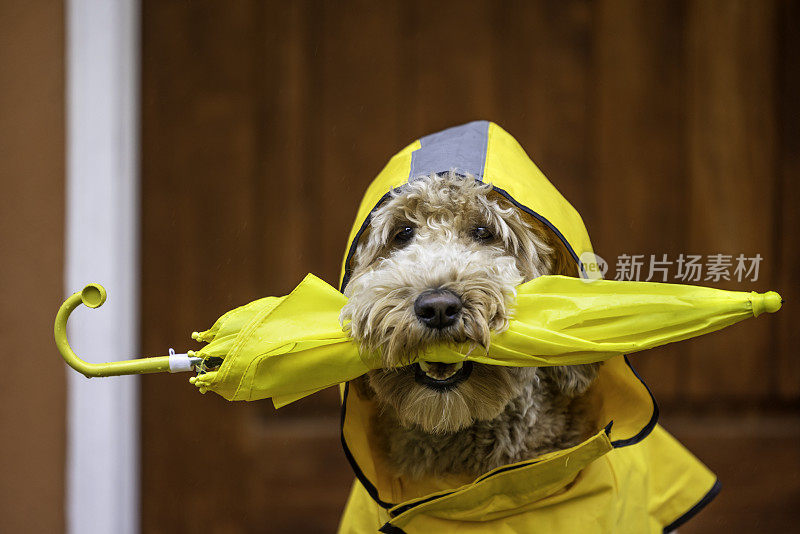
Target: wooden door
<point>671,126</point>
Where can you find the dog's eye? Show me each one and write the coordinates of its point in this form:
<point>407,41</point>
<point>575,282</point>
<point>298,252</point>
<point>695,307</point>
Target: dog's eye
<point>482,233</point>
<point>404,234</point>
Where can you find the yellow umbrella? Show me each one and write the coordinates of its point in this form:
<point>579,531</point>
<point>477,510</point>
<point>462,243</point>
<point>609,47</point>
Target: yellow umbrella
<point>285,348</point>
<point>288,348</point>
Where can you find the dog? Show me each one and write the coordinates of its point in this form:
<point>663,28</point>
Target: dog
<point>439,263</point>
<point>444,234</point>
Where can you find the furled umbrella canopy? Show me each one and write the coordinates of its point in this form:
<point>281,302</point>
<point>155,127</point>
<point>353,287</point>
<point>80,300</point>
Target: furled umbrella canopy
<point>289,347</point>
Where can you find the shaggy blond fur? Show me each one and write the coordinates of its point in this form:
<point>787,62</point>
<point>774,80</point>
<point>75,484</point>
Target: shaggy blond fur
<point>454,233</point>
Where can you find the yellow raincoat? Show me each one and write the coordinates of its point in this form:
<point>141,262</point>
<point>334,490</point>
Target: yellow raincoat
<point>630,477</point>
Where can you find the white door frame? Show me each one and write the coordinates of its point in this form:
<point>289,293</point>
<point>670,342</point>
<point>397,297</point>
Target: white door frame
<point>102,241</point>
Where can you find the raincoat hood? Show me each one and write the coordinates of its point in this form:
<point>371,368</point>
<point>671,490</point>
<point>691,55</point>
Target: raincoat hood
<point>629,465</point>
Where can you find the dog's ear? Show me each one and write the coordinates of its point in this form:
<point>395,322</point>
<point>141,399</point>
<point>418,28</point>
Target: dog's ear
<point>371,243</point>
<point>560,259</point>
<point>365,251</point>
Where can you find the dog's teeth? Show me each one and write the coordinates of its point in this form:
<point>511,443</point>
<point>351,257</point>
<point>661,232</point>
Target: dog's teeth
<point>428,370</point>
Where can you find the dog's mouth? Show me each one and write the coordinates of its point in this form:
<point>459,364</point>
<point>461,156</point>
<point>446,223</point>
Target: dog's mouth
<point>441,376</point>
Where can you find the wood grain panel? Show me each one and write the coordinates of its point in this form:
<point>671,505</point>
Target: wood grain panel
<point>756,459</point>
<point>285,190</point>
<point>450,57</point>
<point>289,181</point>
<point>360,118</point>
<point>787,205</point>
<point>200,156</point>
<point>542,76</point>
<point>639,163</point>
<point>33,391</point>
<point>731,171</point>
<point>231,189</point>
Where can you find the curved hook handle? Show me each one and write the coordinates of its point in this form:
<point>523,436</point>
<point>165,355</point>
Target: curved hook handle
<point>93,296</point>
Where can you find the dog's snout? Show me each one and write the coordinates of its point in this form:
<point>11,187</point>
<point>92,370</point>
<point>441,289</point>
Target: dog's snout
<point>437,309</point>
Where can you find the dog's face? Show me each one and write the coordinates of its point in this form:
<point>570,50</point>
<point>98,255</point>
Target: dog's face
<point>440,263</point>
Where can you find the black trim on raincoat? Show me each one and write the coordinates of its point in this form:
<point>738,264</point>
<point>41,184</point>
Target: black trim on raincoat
<point>694,510</point>
<point>388,528</point>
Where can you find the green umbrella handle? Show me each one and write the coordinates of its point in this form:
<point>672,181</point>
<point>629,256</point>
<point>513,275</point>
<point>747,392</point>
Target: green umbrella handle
<point>93,296</point>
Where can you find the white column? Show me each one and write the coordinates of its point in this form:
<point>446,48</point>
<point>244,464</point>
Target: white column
<point>102,246</point>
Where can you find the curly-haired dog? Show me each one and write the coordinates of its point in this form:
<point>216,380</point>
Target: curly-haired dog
<point>440,263</point>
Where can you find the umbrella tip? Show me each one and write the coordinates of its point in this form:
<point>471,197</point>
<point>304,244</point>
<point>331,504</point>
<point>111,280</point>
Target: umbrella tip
<point>772,302</point>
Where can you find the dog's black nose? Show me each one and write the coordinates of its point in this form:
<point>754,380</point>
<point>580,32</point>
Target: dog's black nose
<point>438,308</point>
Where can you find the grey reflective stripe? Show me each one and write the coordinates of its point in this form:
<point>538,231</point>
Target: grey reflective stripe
<point>461,148</point>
